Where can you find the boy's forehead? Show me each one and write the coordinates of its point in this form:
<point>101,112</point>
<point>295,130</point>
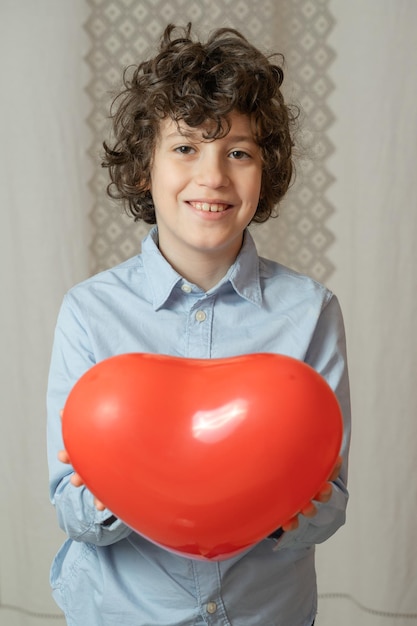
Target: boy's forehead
<point>169,127</point>
<point>238,123</point>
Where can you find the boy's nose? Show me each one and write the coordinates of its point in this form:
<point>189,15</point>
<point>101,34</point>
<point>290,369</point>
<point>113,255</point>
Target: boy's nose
<point>212,172</point>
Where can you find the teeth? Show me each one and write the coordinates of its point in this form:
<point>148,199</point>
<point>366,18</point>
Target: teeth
<point>205,206</point>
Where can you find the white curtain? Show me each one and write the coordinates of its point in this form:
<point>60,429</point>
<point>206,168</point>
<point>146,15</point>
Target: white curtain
<point>44,249</point>
<point>368,571</point>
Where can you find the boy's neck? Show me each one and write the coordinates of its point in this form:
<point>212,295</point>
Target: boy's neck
<point>205,271</point>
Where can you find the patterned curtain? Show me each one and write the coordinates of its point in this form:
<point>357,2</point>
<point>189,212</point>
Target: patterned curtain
<point>123,32</point>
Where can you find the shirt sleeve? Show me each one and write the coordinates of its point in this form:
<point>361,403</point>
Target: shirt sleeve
<point>72,356</point>
<point>327,355</point>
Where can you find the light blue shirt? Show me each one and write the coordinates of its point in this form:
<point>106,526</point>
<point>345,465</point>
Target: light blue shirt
<point>108,575</point>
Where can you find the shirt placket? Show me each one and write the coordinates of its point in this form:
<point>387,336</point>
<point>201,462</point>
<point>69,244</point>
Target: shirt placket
<point>208,584</point>
<point>199,328</point>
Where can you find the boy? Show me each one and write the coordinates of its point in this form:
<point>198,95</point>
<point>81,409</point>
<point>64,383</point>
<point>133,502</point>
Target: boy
<point>202,148</point>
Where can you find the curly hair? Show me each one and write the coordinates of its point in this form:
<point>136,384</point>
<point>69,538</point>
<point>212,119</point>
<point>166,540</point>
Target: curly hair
<point>199,84</point>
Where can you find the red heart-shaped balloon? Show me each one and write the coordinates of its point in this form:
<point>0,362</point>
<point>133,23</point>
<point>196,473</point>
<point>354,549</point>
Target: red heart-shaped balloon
<point>204,457</point>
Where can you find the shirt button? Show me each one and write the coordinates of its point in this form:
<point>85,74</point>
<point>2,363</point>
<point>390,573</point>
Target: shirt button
<point>200,316</point>
<point>186,288</point>
<point>211,607</point>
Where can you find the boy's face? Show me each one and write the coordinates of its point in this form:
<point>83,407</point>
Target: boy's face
<point>205,192</point>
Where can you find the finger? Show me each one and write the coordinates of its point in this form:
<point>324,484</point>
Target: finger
<point>63,456</point>
<point>292,524</point>
<point>99,505</point>
<point>76,480</point>
<point>325,493</point>
<point>309,510</point>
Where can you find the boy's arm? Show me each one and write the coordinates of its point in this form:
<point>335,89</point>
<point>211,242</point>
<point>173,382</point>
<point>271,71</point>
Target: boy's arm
<point>327,355</point>
<point>78,516</point>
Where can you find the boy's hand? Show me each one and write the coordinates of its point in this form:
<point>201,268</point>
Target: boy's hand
<point>324,495</point>
<point>76,479</point>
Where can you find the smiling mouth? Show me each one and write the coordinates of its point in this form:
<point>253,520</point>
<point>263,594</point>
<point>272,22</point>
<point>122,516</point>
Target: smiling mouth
<point>214,207</point>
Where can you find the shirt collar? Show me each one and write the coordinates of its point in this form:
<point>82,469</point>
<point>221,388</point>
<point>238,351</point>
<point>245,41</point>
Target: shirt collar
<point>243,275</point>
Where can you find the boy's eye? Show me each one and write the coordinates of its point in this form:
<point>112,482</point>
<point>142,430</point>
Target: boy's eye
<point>184,149</point>
<point>239,154</point>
